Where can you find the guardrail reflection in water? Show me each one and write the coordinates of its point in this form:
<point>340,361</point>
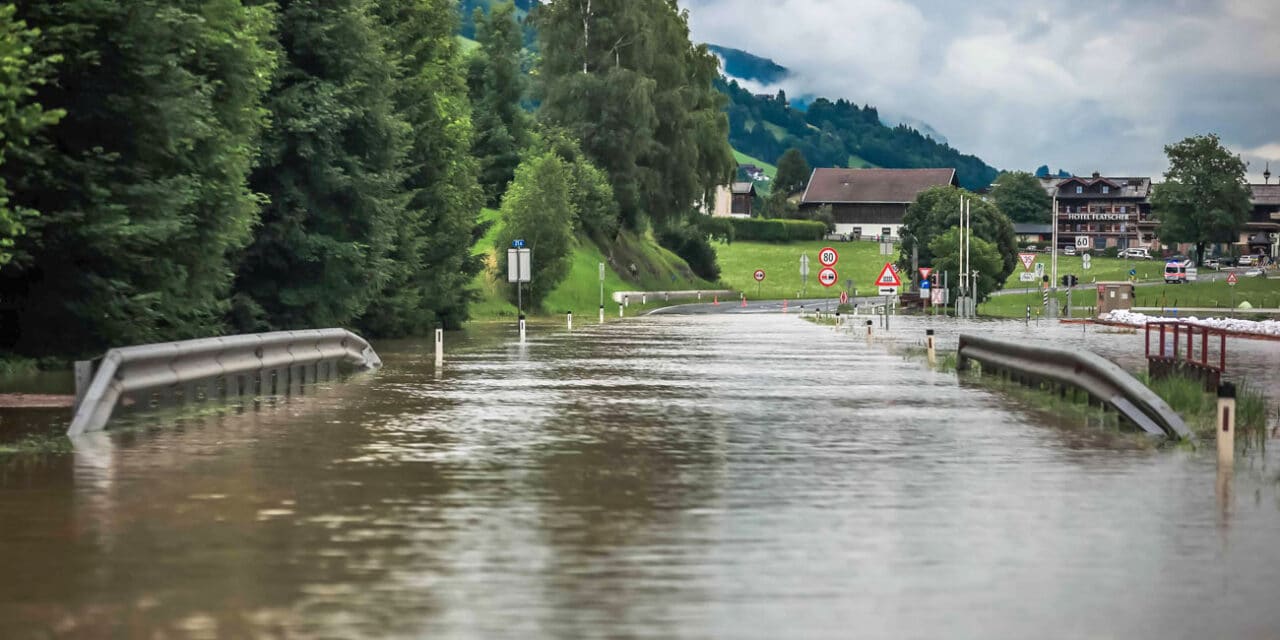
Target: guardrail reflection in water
<point>232,367</point>
<point>1102,379</point>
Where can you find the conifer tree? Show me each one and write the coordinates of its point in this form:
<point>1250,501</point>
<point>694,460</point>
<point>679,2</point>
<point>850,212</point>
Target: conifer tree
<point>142,185</point>
<point>431,261</point>
<point>333,169</point>
<point>497,85</point>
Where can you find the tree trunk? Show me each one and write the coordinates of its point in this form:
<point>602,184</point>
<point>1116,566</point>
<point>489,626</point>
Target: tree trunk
<point>1199,254</point>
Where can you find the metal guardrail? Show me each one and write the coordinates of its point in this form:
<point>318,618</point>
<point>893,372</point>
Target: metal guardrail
<point>1089,372</point>
<point>639,297</point>
<point>247,364</point>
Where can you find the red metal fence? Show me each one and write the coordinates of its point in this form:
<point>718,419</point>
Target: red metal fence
<point>1170,355</point>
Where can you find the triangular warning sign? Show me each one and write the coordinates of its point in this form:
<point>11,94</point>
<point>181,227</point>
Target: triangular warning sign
<point>1231,279</point>
<point>888,277</point>
<point>1027,260</point>
<point>924,272</point>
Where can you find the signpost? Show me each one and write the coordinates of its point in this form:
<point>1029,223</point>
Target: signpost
<point>1027,260</point>
<point>519,271</point>
<point>1026,276</point>
<point>1039,270</point>
<point>804,274</point>
<point>844,297</point>
<point>1085,261</point>
<point>1232,279</point>
<point>759,276</point>
<point>601,293</point>
<point>888,281</point>
<point>828,277</point>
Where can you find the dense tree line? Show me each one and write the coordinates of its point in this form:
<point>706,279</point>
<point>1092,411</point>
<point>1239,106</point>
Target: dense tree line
<point>834,134</point>
<point>224,164</point>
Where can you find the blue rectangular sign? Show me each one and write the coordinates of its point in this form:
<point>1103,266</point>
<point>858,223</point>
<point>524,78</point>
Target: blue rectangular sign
<point>924,284</point>
<point>517,244</point>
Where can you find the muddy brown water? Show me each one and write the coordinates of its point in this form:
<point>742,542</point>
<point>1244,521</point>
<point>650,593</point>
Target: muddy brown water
<point>722,476</point>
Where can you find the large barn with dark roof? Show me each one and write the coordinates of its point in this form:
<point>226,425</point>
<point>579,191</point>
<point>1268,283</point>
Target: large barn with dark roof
<point>870,203</point>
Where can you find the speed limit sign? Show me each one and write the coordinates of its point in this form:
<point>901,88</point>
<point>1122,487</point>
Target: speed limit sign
<point>827,277</point>
<point>828,257</point>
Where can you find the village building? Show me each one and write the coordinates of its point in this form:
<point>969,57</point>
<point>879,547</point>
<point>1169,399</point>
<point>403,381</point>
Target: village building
<point>1261,234</point>
<point>870,203</point>
<point>1098,212</point>
<point>735,200</point>
<point>1032,232</point>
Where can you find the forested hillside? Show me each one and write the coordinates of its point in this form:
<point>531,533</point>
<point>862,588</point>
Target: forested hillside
<point>839,134</point>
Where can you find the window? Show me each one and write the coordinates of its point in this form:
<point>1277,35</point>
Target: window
<point>1124,209</point>
<point>857,232</point>
<point>1106,189</point>
<point>1079,189</point>
<point>886,232</point>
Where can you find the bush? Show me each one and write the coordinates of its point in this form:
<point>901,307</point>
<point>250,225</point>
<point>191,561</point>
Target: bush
<point>715,228</point>
<point>1111,252</point>
<point>691,244</point>
<point>777,230</point>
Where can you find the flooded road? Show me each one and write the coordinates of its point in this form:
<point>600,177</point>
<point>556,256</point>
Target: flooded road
<point>720,476</point>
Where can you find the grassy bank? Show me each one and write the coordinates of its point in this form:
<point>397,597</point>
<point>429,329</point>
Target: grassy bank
<point>657,269</point>
<point>859,261</point>
<point>1100,269</point>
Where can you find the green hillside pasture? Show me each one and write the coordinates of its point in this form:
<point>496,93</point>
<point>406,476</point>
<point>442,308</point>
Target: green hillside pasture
<point>859,261</point>
<point>657,270</point>
<point>763,187</point>
<point>1259,292</point>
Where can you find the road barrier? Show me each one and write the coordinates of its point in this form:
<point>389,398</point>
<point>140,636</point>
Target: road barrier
<point>1101,379</point>
<point>696,294</point>
<point>261,363</point>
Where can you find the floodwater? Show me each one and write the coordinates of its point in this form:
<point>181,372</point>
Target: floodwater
<point>719,476</point>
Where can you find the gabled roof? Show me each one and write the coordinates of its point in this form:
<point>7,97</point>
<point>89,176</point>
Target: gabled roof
<point>1265,194</point>
<point>1031,228</point>
<point>744,188</point>
<point>1121,187</point>
<point>897,186</point>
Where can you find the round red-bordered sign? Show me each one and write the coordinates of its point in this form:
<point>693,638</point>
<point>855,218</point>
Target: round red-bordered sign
<point>828,257</point>
<point>827,277</point>
<point>759,275</point>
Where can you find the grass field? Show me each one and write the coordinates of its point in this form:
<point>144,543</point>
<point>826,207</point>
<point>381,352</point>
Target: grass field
<point>762,187</point>
<point>658,270</point>
<point>859,261</point>
<point>1259,292</point>
<point>1100,269</point>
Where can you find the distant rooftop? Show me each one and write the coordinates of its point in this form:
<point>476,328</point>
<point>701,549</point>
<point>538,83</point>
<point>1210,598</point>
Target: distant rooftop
<point>898,186</point>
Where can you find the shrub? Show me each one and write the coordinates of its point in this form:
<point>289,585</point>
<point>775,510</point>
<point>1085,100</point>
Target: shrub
<point>715,228</point>
<point>777,230</point>
<point>1111,252</point>
<point>691,244</point>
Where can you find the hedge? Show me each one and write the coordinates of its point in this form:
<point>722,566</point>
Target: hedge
<point>761,230</point>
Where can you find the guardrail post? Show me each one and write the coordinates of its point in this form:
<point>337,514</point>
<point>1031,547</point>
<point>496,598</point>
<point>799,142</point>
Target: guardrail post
<point>1226,425</point>
<point>522,328</point>
<point>570,320</point>
<point>84,376</point>
<point>868,331</point>
<point>933,355</point>
<point>601,314</point>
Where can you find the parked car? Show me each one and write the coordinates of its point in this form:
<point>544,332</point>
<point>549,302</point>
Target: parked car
<point>838,237</point>
<point>1069,250</point>
<point>1213,263</point>
<point>1135,253</point>
<point>1175,271</point>
<point>1031,248</point>
<point>1255,273</point>
<point>1247,260</point>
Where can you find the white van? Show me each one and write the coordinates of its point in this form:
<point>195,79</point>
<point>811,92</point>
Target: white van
<point>1175,272</point>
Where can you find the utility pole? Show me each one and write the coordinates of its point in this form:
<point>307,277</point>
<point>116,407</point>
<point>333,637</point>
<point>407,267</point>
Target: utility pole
<point>1051,309</point>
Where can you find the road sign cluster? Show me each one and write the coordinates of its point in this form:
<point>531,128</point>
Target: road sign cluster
<point>888,280</point>
<point>827,277</point>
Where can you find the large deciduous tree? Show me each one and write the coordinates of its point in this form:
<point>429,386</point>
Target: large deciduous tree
<point>142,185</point>
<point>430,263</point>
<point>936,210</point>
<point>624,79</point>
<point>793,172</point>
<point>497,86</point>
<point>21,71</point>
<point>539,208</point>
<point>1204,197</point>
<point>1019,195</point>
<point>984,258</point>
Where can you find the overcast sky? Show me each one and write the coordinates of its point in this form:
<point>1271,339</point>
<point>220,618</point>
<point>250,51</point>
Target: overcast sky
<point>1087,85</point>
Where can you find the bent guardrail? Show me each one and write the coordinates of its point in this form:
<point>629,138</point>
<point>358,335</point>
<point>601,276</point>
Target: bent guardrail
<point>246,364</point>
<point>1089,372</point>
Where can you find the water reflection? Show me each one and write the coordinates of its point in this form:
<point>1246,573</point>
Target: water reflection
<point>672,477</point>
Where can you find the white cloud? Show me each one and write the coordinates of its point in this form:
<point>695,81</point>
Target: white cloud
<point>1092,85</point>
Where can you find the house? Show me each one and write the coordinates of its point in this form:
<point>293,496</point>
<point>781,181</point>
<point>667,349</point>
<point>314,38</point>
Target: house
<point>734,200</point>
<point>1262,233</point>
<point>1099,211</point>
<point>1032,232</point>
<point>870,203</point>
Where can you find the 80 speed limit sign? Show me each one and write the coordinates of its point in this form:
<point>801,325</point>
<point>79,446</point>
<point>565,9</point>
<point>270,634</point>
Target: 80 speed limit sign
<point>828,257</point>
<point>827,277</point>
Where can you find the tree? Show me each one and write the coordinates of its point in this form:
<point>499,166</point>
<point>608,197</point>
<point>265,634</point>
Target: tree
<point>937,209</point>
<point>21,71</point>
<point>597,210</point>
<point>539,209</point>
<point>333,168</point>
<point>142,185</point>
<point>793,172</point>
<point>496,85</point>
<point>624,79</point>
<point>430,261</point>
<point>1018,195</point>
<point>984,257</point>
<point>1204,197</point>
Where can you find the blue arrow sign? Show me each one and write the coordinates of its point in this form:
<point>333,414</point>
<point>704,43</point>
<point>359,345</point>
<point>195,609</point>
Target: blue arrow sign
<point>1133,272</point>
<point>517,244</point>
<point>924,284</point>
